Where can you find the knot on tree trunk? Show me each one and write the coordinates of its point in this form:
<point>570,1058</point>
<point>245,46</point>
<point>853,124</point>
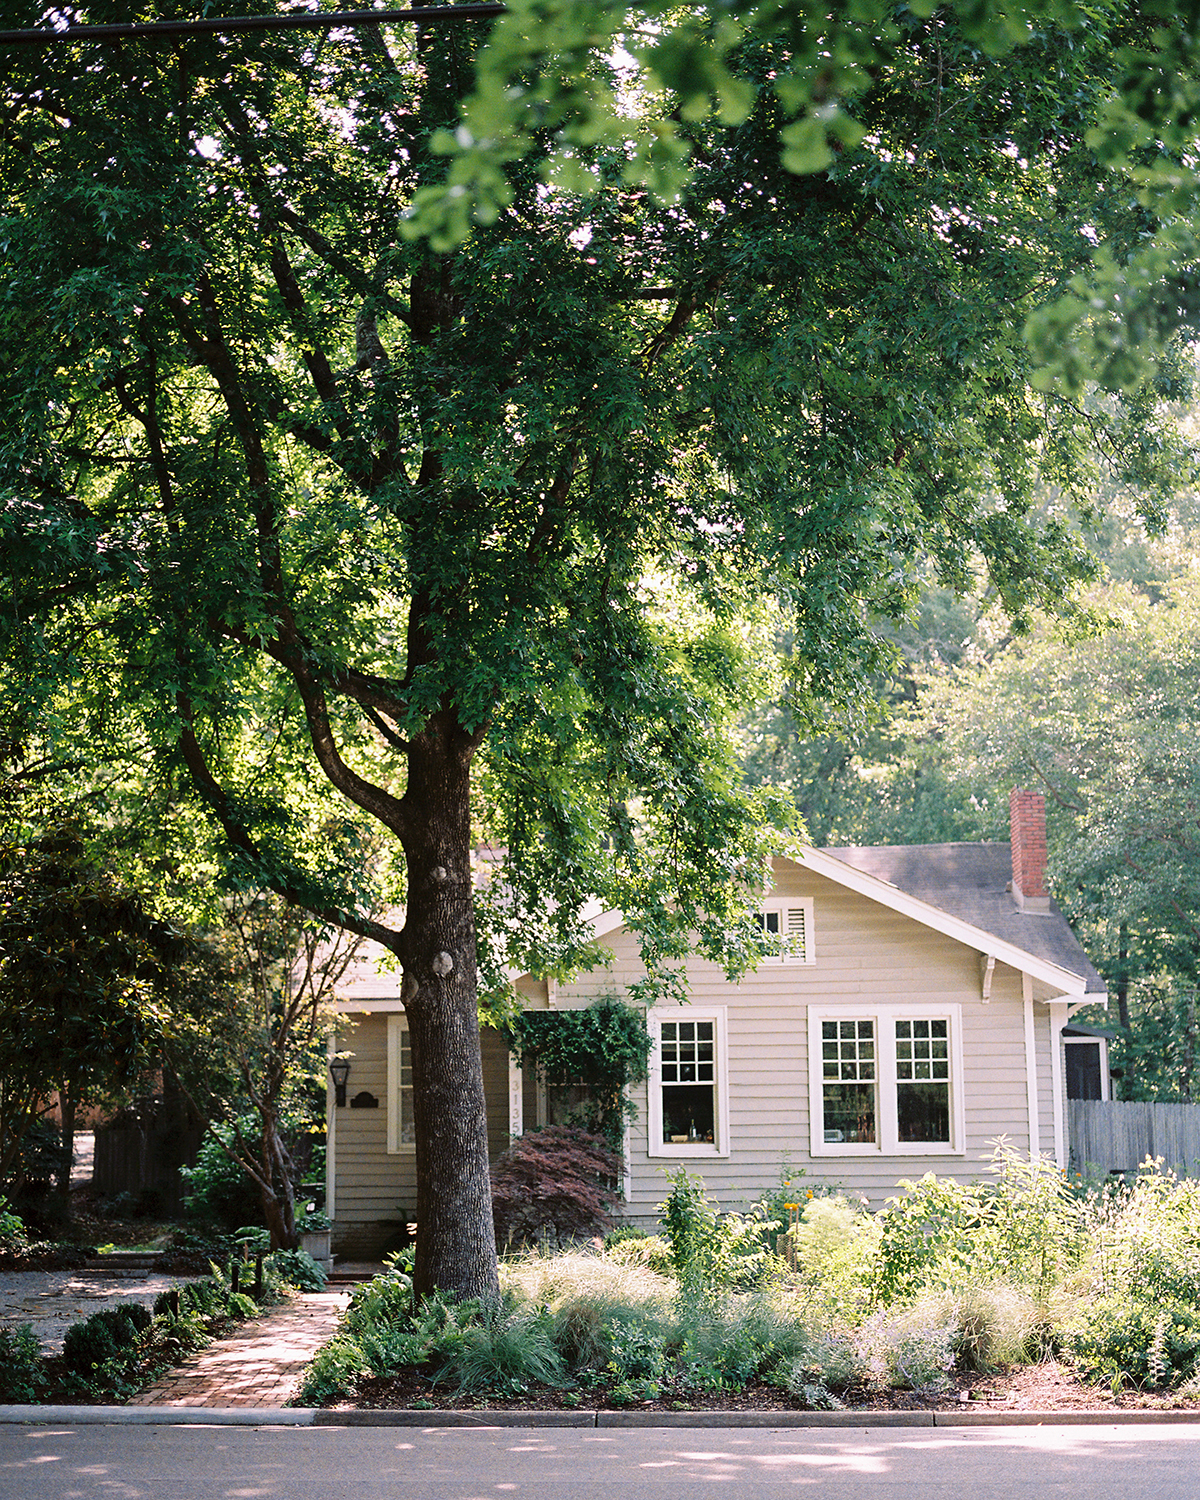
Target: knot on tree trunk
<point>443,964</point>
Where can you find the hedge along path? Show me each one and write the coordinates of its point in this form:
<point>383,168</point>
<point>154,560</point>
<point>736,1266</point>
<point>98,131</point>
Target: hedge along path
<point>260,1365</point>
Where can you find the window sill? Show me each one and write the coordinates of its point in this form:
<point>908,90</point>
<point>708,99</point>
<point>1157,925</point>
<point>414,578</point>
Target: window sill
<point>888,1151</point>
<point>687,1149</point>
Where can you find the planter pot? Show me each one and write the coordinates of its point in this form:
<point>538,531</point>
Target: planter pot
<point>319,1244</point>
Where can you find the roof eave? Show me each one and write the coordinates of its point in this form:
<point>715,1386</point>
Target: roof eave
<point>1070,986</point>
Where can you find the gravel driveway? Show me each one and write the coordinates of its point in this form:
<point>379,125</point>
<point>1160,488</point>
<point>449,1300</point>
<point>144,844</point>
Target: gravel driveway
<point>52,1300</point>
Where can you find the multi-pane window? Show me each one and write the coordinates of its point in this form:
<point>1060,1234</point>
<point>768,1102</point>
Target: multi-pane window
<point>688,1088</point>
<point>688,1081</point>
<point>923,1080</point>
<point>404,1092</point>
<point>848,1081</point>
<point>885,1080</point>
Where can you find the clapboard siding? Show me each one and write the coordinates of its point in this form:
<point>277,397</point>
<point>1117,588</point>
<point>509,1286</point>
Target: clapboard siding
<point>376,1192</point>
<point>865,954</point>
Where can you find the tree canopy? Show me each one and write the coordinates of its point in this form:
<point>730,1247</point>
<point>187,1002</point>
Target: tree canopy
<point>341,524</point>
<point>81,963</point>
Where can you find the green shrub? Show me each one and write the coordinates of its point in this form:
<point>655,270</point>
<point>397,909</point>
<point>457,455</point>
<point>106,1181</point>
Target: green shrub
<point>332,1372</point>
<point>928,1235</point>
<point>104,1336</point>
<point>219,1190</point>
<point>382,1300</point>
<point>13,1238</point>
<point>22,1373</point>
<point>297,1268</point>
<point>836,1245</point>
<point>712,1251</point>
<point>635,1351</point>
<point>1122,1340</point>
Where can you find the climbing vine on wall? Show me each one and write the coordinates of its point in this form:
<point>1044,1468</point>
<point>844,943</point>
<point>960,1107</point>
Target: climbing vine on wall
<point>605,1046</point>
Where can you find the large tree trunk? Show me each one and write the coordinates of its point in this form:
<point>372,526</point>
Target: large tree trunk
<point>456,1243</point>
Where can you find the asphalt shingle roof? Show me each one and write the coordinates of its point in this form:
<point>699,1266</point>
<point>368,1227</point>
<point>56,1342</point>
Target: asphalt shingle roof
<point>971,882</point>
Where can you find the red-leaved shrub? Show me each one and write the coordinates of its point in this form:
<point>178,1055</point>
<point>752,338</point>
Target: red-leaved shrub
<point>553,1184</point>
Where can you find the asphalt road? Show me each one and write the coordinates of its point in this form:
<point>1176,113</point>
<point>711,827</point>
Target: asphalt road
<point>224,1463</point>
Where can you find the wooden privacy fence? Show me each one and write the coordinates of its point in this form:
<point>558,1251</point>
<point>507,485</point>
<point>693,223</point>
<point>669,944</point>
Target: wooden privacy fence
<point>140,1154</point>
<point>1108,1136</point>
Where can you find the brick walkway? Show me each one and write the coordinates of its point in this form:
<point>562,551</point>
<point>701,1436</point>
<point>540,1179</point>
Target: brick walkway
<point>260,1365</point>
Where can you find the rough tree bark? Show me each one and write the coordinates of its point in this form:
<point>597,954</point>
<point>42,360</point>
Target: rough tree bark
<point>456,1246</point>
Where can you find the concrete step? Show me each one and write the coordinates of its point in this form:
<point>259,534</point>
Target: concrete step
<point>120,1262</point>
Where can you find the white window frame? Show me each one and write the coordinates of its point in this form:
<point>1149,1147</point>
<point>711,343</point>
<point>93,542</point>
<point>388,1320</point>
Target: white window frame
<point>785,906</point>
<point>397,1030</point>
<point>887,1142</point>
<point>682,1150</point>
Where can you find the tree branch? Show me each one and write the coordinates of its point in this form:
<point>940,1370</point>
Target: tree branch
<point>239,836</point>
<point>685,309</point>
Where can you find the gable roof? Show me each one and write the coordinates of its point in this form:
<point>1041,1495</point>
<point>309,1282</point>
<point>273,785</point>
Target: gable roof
<point>963,891</point>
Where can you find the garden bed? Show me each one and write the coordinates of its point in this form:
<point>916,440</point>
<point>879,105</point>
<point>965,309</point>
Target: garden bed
<point>1095,1308</point>
<point>1045,1386</point>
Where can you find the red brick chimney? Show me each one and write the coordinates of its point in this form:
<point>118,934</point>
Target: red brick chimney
<point>1027,821</point>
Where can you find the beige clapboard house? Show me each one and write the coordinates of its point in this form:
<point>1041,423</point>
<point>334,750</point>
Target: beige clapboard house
<point>914,1016</point>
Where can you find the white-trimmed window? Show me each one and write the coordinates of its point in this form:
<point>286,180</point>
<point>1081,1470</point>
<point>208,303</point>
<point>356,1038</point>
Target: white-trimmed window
<point>885,1080</point>
<point>689,1083</point>
<point>788,921</point>
<point>401,1132</point>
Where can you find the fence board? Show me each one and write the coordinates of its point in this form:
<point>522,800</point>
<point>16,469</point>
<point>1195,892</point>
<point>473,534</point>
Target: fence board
<point>1112,1136</point>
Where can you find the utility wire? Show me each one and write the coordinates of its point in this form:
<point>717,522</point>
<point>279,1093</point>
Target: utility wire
<point>314,20</point>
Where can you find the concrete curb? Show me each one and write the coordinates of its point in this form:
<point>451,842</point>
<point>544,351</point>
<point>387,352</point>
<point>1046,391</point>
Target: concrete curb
<point>159,1416</point>
<point>307,1416</point>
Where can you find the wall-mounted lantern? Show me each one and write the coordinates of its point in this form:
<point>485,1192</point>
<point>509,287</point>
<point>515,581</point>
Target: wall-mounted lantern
<point>339,1071</point>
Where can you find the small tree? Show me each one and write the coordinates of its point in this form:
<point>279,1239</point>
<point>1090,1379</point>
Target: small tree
<point>248,1037</point>
<point>553,1184</point>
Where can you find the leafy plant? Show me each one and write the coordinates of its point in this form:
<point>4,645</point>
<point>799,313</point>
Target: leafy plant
<point>332,1372</point>
<point>104,1336</point>
<point>298,1269</point>
<point>1122,1340</point>
<point>22,1376</point>
<point>605,1046</point>
<point>13,1238</point>
<point>553,1184</point>
<point>835,1245</point>
<point>710,1250</point>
